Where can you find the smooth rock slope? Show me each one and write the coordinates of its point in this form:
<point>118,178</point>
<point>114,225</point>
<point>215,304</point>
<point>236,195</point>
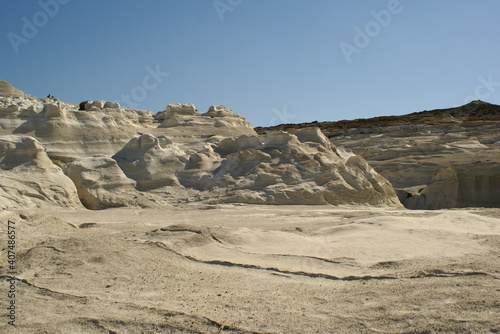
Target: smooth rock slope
<point>7,90</point>
<point>28,178</point>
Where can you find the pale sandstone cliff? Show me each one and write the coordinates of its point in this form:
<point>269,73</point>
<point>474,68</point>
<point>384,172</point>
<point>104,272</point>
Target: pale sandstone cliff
<point>422,152</point>
<point>122,157</point>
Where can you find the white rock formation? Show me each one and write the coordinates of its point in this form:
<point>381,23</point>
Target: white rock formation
<point>300,168</point>
<point>215,155</point>
<point>181,109</point>
<point>69,133</point>
<point>217,116</point>
<point>151,161</point>
<point>410,150</point>
<point>29,178</point>
<point>281,168</point>
<point>101,183</point>
<point>7,90</point>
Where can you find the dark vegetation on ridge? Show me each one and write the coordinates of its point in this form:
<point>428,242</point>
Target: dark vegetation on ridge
<point>468,113</point>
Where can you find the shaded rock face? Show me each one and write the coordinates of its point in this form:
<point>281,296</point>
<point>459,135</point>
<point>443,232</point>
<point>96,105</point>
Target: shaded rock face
<point>281,168</point>
<point>455,187</point>
<point>411,150</point>
<point>28,177</point>
<point>118,156</point>
<point>100,182</point>
<point>151,161</point>
<point>299,168</point>
<point>69,133</point>
<point>98,104</point>
<point>186,115</point>
<point>7,90</point>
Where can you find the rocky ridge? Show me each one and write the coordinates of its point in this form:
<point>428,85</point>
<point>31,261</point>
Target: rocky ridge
<point>436,159</point>
<point>113,156</point>
<point>29,178</point>
<point>8,90</point>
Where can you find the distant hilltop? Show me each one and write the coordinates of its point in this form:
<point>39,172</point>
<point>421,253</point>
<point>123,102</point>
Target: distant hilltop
<point>472,109</point>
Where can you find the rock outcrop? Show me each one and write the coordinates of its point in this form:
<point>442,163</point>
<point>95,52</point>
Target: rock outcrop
<point>29,178</point>
<point>151,161</point>
<point>303,167</point>
<point>217,116</point>
<point>67,132</point>
<point>7,90</point>
<point>180,121</point>
<point>98,104</point>
<point>411,150</point>
<point>71,131</point>
<point>458,187</point>
<point>101,183</point>
<point>118,156</point>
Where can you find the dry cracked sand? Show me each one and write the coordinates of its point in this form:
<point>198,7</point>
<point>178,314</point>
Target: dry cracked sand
<point>254,269</point>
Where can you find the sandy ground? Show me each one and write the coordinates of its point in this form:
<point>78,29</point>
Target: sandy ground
<point>254,269</point>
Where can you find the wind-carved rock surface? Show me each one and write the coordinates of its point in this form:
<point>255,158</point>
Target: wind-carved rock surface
<point>28,178</point>
<point>100,182</point>
<point>300,167</point>
<point>303,167</point>
<point>67,132</point>
<point>186,125</point>
<point>437,159</point>
<point>151,161</point>
<point>8,90</point>
<point>121,157</point>
<point>177,114</point>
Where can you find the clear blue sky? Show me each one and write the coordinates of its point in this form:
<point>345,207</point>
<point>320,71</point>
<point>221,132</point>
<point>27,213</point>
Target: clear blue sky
<point>272,61</point>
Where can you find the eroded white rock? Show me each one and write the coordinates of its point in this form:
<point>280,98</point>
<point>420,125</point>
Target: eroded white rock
<point>280,168</point>
<point>152,162</point>
<point>7,90</point>
<point>100,182</point>
<point>28,178</point>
